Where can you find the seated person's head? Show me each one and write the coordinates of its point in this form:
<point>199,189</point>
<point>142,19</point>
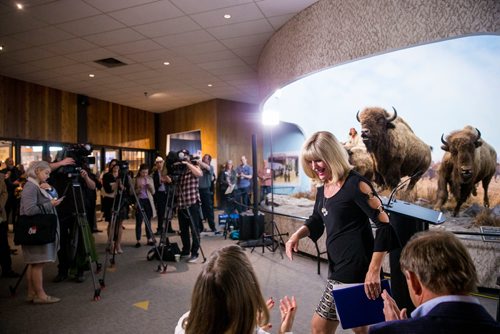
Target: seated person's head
<point>441,263</point>
<point>227,296</point>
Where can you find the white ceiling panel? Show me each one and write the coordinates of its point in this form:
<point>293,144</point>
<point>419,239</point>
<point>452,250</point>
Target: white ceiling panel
<point>36,54</point>
<point>200,48</point>
<point>188,38</point>
<point>69,46</point>
<point>278,21</point>
<point>42,36</point>
<point>241,29</point>
<point>168,27</point>
<point>151,12</point>
<point>198,6</point>
<point>91,25</point>
<point>248,40</point>
<point>91,55</point>
<point>112,5</point>
<point>159,55</point>
<point>239,14</point>
<point>62,11</point>
<point>213,56</point>
<point>18,22</point>
<point>55,43</point>
<point>282,7</point>
<point>114,37</point>
<point>141,46</point>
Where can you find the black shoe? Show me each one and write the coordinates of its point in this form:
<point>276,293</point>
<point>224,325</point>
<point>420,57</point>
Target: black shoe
<point>158,233</point>
<point>185,254</point>
<point>151,243</point>
<point>10,274</point>
<point>60,278</point>
<point>137,245</point>
<point>193,259</point>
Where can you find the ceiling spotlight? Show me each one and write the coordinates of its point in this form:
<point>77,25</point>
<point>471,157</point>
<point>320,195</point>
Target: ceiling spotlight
<point>91,75</point>
<point>166,63</point>
<point>1,47</point>
<point>209,85</point>
<point>227,16</point>
<point>19,5</point>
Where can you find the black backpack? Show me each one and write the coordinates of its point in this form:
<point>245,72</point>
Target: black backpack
<point>169,252</point>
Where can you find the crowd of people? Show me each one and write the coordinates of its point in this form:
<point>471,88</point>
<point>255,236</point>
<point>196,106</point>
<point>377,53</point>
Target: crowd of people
<point>227,297</point>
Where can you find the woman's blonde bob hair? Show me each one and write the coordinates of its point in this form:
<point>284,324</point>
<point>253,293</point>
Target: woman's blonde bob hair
<point>323,146</point>
<point>226,297</point>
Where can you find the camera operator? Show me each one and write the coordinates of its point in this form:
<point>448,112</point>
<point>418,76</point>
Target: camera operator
<point>188,202</point>
<point>63,180</point>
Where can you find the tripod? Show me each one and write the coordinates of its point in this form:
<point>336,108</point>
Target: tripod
<point>118,207</point>
<point>82,229</point>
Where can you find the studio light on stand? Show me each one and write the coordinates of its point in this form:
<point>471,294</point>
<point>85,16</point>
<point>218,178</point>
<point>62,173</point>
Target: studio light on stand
<point>270,119</point>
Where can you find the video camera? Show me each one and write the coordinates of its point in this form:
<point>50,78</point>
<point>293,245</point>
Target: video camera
<point>174,162</point>
<point>80,153</point>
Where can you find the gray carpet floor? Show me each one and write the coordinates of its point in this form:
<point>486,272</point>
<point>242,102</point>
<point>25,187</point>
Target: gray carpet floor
<point>138,299</point>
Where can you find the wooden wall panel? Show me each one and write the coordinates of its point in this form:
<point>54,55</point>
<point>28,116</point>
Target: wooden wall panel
<point>116,125</point>
<point>30,111</point>
<point>201,116</point>
<point>237,122</point>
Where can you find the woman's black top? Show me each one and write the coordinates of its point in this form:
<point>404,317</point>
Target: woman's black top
<point>350,242</point>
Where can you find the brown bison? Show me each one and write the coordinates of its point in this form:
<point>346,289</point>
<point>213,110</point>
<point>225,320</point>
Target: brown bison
<point>361,160</point>
<point>395,149</point>
<point>468,160</point>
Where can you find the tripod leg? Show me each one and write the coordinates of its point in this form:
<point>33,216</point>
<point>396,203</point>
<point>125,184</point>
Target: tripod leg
<point>13,289</point>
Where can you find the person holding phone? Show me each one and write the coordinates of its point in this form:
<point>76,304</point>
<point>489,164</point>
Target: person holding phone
<point>39,197</point>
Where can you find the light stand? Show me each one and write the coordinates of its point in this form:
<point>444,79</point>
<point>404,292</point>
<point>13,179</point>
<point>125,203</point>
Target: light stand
<point>271,119</point>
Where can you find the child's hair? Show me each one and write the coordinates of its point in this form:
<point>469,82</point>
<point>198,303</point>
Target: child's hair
<point>227,296</point>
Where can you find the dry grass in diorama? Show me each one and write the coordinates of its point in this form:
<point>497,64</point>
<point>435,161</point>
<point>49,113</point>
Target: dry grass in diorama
<point>486,218</point>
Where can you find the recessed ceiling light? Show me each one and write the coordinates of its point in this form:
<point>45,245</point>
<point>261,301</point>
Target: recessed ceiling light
<point>166,63</point>
<point>91,75</point>
<point>19,5</point>
<point>209,85</point>
<point>227,16</point>
<point>1,47</point>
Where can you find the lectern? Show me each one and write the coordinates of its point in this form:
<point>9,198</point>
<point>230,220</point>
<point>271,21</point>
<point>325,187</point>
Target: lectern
<point>406,219</point>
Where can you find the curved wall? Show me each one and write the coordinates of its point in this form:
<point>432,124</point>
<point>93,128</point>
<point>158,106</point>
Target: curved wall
<point>332,32</point>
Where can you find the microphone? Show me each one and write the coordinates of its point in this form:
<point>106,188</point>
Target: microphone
<point>400,185</point>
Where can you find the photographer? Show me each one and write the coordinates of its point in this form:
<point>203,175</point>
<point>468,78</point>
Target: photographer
<point>188,202</point>
<point>113,192</point>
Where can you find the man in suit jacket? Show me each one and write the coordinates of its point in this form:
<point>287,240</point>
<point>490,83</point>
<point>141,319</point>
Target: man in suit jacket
<point>441,277</point>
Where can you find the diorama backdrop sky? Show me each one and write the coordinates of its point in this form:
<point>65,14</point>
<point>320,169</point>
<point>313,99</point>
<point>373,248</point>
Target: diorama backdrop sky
<point>436,88</point>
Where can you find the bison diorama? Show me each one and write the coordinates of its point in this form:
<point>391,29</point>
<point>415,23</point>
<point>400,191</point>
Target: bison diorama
<point>468,160</point>
<point>394,147</point>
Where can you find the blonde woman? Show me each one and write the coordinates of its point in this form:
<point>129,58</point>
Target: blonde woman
<point>345,203</point>
<point>39,197</point>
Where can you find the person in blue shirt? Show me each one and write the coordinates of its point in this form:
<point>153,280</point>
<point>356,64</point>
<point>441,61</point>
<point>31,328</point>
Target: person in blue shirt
<point>244,176</point>
<point>441,277</point>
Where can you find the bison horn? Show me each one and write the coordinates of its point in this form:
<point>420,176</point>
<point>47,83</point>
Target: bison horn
<point>357,116</point>
<point>393,117</point>
<point>443,141</point>
<point>478,134</point>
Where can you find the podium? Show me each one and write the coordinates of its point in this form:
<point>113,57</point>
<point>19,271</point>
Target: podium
<point>406,219</point>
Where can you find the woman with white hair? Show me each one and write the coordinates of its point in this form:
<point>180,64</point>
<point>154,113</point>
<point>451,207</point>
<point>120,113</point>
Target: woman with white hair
<point>39,197</point>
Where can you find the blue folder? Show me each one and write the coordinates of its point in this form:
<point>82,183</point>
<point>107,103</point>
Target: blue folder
<point>354,309</point>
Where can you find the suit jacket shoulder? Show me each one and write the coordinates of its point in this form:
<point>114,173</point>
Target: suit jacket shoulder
<point>449,317</point>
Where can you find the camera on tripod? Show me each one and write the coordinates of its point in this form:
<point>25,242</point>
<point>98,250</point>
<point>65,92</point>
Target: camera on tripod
<point>174,163</point>
<point>80,154</point>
